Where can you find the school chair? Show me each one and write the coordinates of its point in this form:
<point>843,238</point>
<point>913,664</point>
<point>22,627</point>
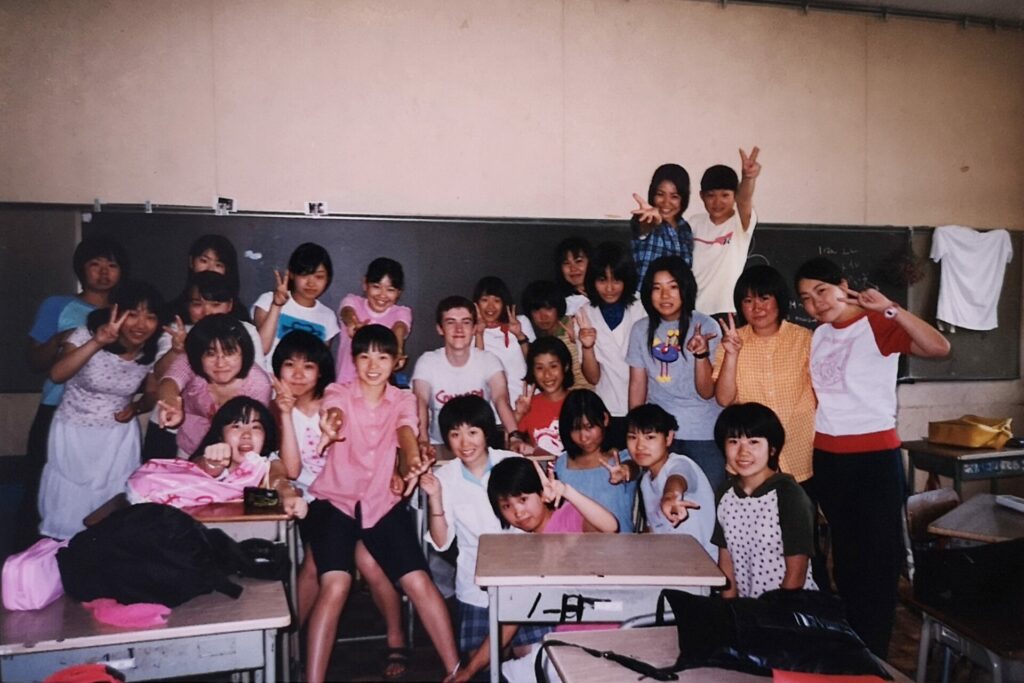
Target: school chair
<point>975,628</point>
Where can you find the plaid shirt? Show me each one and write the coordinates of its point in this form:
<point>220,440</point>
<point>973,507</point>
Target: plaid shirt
<point>662,241</point>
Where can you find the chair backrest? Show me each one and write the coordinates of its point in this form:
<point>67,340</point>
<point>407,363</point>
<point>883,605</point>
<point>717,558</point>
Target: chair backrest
<point>924,508</point>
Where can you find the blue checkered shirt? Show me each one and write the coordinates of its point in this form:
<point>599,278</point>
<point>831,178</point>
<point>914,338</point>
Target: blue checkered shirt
<point>662,241</point>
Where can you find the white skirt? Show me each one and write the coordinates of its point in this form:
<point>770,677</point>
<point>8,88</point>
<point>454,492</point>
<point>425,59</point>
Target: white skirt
<point>85,467</point>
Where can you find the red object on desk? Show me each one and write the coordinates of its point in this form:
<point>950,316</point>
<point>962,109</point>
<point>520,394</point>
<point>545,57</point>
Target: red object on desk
<point>779,676</point>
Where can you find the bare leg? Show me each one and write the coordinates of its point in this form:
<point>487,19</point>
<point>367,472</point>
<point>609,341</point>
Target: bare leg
<point>309,587</point>
<point>434,615</point>
<point>384,595</point>
<point>323,623</point>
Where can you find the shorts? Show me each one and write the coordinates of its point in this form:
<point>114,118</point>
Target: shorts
<point>391,541</point>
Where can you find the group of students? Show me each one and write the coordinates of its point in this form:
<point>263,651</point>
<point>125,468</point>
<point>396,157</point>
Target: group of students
<point>662,395</point>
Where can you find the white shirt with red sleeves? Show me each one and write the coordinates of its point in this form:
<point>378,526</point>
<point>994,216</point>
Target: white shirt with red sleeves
<point>973,264</point>
<point>853,370</point>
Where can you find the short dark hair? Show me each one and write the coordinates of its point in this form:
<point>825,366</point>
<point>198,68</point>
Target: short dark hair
<point>302,344</point>
<point>240,409</point>
<point>675,174</point>
<point>575,246</point>
<point>374,338</point>
<point>762,281</point>
<point>225,251</point>
<point>382,267</point>
<point>580,405</point>
<point>543,294</point>
<point>819,268</point>
<point>309,256</point>
<point>127,296</point>
<point>212,286</point>
<point>615,257</point>
<point>751,420</point>
<point>99,247</point>
<point>511,477</point>
<point>470,410</point>
<point>677,268</point>
<point>455,301</point>
<point>222,328</point>
<point>557,348</point>
<point>650,418</point>
<point>719,177</point>
<point>489,285</point>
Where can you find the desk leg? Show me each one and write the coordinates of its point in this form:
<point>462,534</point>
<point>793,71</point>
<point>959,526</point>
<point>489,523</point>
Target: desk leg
<point>270,656</point>
<point>958,481</point>
<point>492,618</point>
<point>290,641</point>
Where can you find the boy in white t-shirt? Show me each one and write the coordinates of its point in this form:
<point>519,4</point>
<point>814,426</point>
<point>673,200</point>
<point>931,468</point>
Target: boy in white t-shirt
<point>458,368</point>
<point>677,495</point>
<point>293,304</point>
<point>722,236</point>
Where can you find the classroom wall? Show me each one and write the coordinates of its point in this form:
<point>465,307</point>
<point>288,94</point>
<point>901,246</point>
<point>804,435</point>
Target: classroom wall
<point>515,108</point>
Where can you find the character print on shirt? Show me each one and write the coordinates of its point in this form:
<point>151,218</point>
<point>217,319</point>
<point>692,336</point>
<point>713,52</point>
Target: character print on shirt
<point>311,458</point>
<point>723,240</point>
<point>828,365</point>
<point>289,323</point>
<point>548,438</point>
<point>666,352</point>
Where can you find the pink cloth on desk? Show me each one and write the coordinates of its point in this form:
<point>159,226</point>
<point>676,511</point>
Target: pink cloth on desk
<point>198,403</point>
<point>389,318</point>
<point>182,483</point>
<point>138,615</point>
<point>359,468</point>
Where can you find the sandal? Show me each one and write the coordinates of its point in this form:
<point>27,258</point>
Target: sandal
<point>396,664</point>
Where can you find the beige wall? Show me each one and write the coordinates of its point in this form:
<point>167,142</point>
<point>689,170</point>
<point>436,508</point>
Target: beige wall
<point>515,108</point>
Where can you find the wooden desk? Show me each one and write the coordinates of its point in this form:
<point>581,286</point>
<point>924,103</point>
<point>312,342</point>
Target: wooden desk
<point>980,519</point>
<point>658,646</point>
<point>208,634</point>
<point>568,578</point>
<point>964,464</point>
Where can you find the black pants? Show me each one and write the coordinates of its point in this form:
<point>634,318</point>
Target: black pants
<point>862,496</point>
<point>27,527</point>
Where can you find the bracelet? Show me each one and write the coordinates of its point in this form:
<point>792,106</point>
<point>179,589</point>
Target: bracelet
<point>587,348</point>
<point>702,356</point>
<point>524,340</point>
<point>437,514</point>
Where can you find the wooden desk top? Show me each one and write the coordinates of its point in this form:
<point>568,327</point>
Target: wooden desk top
<point>924,446</point>
<point>65,624</point>
<point>980,519</point>
<point>658,646</point>
<point>594,559</point>
<point>219,513</point>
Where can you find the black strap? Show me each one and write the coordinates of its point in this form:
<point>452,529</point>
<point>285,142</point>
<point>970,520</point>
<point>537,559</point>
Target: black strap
<point>643,668</point>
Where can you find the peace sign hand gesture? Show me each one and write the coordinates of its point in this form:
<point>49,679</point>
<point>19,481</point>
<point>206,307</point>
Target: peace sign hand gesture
<point>284,399</point>
<point>514,325</point>
<point>171,413</point>
<point>281,293</point>
<point>698,343</point>
<point>588,333</point>
<point>617,472</point>
<point>677,510</point>
<point>524,401</point>
<point>870,299</point>
<point>331,422</point>
<point>177,333</point>
<point>644,212</point>
<point>479,326</point>
<point>731,341</point>
<point>749,165</point>
<point>416,470</point>
<point>570,334</point>
<point>552,489</point>
<point>109,331</point>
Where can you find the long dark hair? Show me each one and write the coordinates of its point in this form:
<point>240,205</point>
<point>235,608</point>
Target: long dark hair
<point>677,268</point>
<point>129,295</point>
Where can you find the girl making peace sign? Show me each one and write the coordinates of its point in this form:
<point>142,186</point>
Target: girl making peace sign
<point>95,440</point>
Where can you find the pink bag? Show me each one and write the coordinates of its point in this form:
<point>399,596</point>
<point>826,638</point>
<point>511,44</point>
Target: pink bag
<point>31,579</point>
<point>182,483</point>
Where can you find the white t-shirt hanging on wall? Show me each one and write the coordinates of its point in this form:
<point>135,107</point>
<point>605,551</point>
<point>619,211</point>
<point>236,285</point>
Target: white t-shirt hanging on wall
<point>973,265</point>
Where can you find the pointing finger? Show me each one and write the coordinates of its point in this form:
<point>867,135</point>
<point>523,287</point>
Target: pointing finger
<point>639,200</point>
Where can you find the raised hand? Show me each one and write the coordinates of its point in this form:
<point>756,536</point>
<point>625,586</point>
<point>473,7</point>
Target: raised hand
<point>677,510</point>
<point>570,334</point>
<point>731,341</point>
<point>525,400</point>
<point>479,326</point>
<point>617,472</point>
<point>416,470</point>
<point>552,488</point>
<point>514,326</point>
<point>698,343</point>
<point>354,325</point>
<point>171,413</point>
<point>427,451</point>
<point>430,484</point>
<point>748,163</point>
<point>177,333</point>
<point>217,455</point>
<point>284,399</point>
<point>870,299</point>
<point>109,331</point>
<point>644,212</point>
<point>331,422</point>
<point>281,293</point>
<point>588,333</point>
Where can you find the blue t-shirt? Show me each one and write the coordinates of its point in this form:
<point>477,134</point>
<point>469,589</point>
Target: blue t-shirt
<point>670,376</point>
<point>617,499</point>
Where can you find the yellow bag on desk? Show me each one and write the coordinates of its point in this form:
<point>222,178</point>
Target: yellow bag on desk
<point>971,431</point>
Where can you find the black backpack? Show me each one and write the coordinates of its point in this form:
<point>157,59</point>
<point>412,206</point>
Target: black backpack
<point>150,553</point>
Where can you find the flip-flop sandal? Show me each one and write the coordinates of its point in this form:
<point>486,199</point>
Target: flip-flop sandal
<point>396,664</point>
